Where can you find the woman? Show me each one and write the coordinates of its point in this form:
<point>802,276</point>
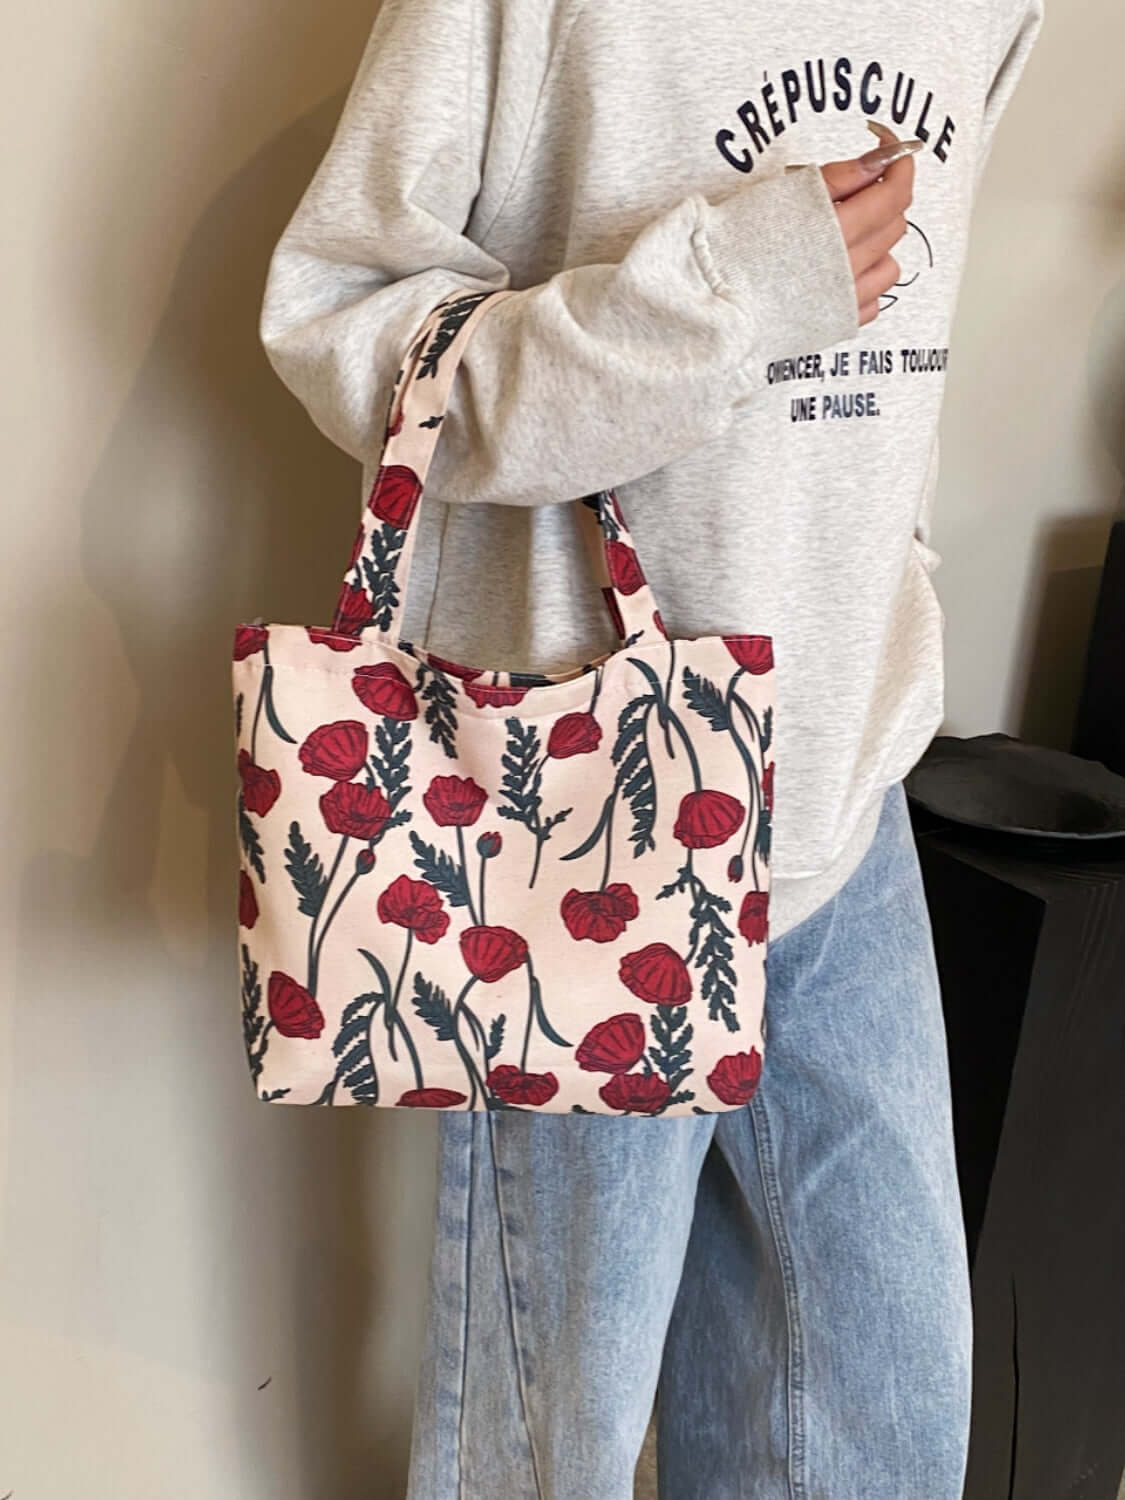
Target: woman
<point>735,348</point>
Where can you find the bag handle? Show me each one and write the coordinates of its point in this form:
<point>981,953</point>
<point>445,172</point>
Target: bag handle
<point>373,592</point>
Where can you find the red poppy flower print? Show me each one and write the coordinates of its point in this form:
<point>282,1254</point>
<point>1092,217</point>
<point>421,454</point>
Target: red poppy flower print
<point>599,916</point>
<point>451,668</point>
<point>735,1079</point>
<point>658,624</point>
<point>260,788</point>
<point>707,819</point>
<point>247,901</point>
<point>358,811</point>
<point>637,1093</point>
<point>356,610</point>
<point>507,1082</point>
<point>394,427</point>
<point>614,611</point>
<point>624,568</point>
<point>736,869</point>
<point>491,953</point>
<point>574,734</point>
<point>292,1009</point>
<point>331,638</point>
<point>338,750</point>
<point>454,801</point>
<point>415,905</point>
<point>395,495</point>
<point>767,787</point>
<point>657,974</point>
<point>385,691</point>
<point>612,1046</point>
<point>754,653</point>
<point>489,845</point>
<point>249,640</point>
<point>753,918</point>
<point>431,1098</point>
<point>490,695</point>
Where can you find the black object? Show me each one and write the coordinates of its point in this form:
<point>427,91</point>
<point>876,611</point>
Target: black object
<point>1029,934</point>
<point>1099,732</point>
<point>996,782</point>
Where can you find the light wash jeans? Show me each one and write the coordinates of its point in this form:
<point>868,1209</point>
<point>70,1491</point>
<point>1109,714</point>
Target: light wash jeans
<point>792,1275</point>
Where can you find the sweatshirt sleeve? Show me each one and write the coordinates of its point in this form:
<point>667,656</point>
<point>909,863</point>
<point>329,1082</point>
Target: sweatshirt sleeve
<point>589,379</point>
<point>1014,34</point>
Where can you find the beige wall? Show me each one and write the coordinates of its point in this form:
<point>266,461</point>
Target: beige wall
<point>1033,428</point>
<point>168,1245</point>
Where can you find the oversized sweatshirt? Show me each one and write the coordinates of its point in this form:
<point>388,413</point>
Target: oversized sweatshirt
<point>686,331</point>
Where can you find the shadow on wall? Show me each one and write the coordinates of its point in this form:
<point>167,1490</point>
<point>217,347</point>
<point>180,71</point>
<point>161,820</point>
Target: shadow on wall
<point>1064,592</point>
<point>1059,616</point>
<point>215,500</point>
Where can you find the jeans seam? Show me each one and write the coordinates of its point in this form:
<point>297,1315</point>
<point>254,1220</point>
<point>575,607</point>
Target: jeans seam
<point>466,1274</point>
<point>798,1488</point>
<point>521,1380</point>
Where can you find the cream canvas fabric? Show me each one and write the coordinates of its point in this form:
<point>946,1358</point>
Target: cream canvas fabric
<point>464,887</point>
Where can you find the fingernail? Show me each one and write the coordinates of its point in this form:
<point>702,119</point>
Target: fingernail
<point>884,132</point>
<point>882,156</point>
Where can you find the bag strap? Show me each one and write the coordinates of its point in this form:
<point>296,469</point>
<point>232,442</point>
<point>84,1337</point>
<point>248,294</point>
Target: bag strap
<point>373,592</point>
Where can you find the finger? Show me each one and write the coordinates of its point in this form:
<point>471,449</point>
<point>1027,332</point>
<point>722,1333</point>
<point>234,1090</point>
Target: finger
<point>874,283</point>
<point>866,212</point>
<point>868,312</point>
<point>870,250</point>
<point>843,178</point>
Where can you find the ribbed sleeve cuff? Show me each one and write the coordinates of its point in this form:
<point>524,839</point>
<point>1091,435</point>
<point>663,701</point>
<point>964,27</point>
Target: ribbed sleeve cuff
<point>775,247</point>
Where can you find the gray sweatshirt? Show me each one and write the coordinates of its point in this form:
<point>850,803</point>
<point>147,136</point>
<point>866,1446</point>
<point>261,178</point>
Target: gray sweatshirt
<point>686,331</point>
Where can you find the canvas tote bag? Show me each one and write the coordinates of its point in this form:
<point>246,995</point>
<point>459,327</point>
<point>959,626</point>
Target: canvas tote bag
<point>470,888</point>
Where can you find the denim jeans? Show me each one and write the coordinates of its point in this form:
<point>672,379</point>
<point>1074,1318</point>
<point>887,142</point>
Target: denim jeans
<point>788,1280</point>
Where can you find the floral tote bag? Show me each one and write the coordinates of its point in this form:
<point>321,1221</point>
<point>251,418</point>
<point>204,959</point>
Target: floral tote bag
<point>471,888</point>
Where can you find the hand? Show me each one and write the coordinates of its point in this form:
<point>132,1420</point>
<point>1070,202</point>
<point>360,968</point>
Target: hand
<point>871,197</point>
